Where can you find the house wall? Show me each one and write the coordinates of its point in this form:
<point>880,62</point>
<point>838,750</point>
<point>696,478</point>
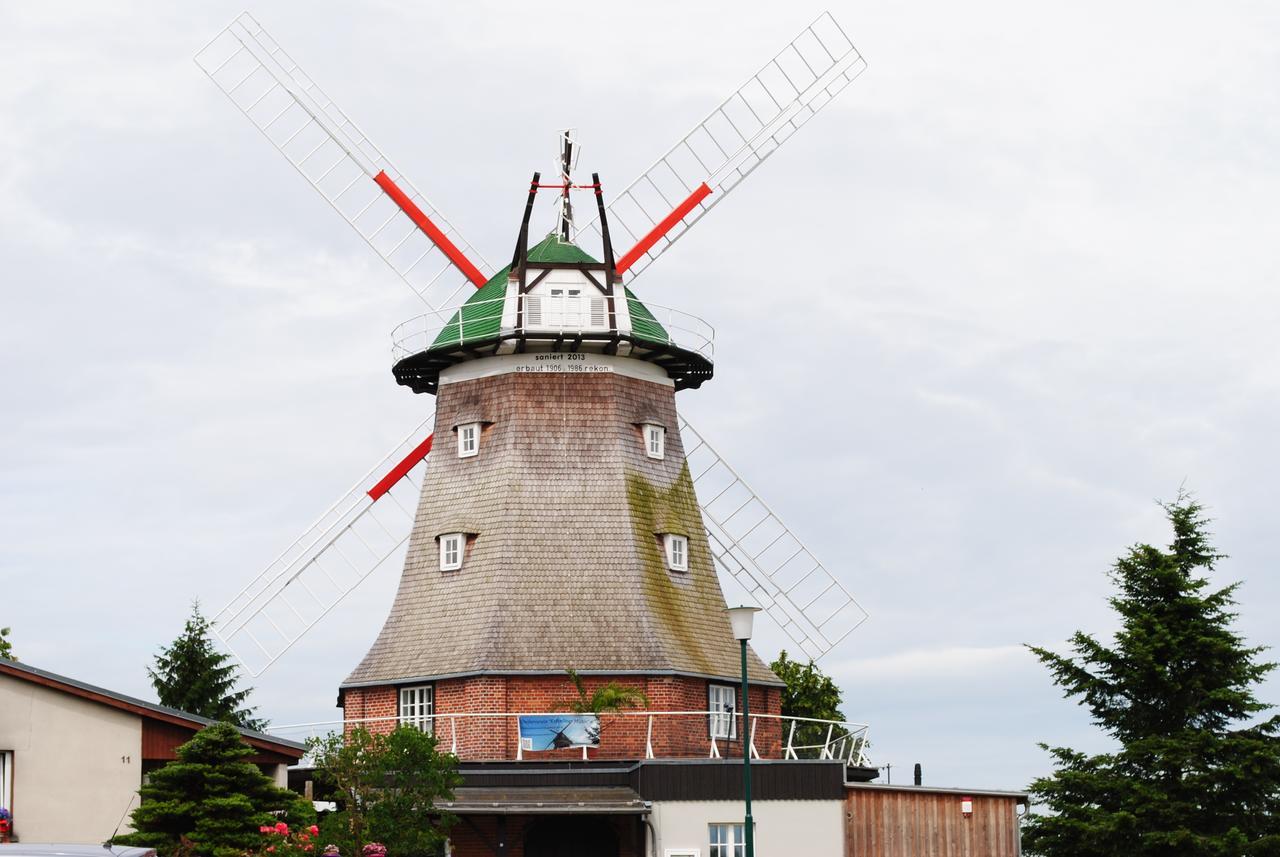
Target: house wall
<point>891,821</point>
<point>814,828</point>
<point>77,764</point>
<point>622,736</point>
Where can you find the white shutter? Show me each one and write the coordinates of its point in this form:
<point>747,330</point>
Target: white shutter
<point>533,311</point>
<point>597,312</point>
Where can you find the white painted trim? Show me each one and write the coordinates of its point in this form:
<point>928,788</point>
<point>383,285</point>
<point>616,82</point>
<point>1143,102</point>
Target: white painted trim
<point>555,362</point>
<point>459,548</point>
<point>473,429</point>
<point>660,452</point>
<point>677,549</point>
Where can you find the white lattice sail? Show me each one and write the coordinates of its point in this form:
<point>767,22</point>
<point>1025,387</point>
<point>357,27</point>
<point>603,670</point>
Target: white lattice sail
<point>735,138</point>
<point>342,163</point>
<point>332,557</point>
<point>753,547</point>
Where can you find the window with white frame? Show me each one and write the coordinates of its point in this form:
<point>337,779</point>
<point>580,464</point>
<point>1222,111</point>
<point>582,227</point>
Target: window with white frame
<point>416,705</point>
<point>722,700</point>
<point>452,546</point>
<point>6,779</point>
<point>727,840</point>
<point>677,550</point>
<point>655,441</point>
<point>468,439</point>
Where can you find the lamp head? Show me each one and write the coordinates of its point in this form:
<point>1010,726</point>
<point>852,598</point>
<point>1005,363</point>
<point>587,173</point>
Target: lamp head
<point>741,619</point>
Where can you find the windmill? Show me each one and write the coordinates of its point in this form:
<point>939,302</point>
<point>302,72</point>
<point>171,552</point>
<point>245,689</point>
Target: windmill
<point>369,523</point>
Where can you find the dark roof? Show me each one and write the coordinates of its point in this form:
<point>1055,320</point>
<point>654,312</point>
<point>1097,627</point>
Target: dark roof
<point>122,701</point>
<point>542,800</point>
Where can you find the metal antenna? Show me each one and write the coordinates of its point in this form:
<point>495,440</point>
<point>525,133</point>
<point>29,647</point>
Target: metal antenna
<point>567,157</point>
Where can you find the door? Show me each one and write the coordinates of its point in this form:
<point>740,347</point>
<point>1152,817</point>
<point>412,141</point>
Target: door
<point>570,836</point>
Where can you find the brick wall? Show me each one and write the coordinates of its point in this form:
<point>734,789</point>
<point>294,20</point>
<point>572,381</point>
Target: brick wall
<point>622,736</point>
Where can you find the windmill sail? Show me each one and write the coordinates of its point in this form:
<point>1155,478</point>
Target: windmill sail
<point>333,556</point>
<point>754,548</point>
<point>735,138</point>
<point>342,163</point>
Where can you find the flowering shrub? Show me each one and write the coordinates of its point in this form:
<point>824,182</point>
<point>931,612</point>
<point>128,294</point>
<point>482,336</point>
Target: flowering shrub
<point>279,841</point>
<point>374,849</point>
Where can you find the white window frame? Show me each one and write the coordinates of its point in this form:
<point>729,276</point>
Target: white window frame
<point>722,703</point>
<point>676,547</point>
<point>655,441</point>
<point>416,707</point>
<point>468,440</point>
<point>453,546</point>
<point>6,779</point>
<point>726,839</point>
<point>682,852</point>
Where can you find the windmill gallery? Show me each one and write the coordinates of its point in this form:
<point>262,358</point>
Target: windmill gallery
<point>559,512</point>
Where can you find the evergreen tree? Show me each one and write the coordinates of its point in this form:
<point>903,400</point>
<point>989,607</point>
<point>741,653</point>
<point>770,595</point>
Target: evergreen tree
<point>6,647</point>
<point>1193,773</point>
<point>191,675</point>
<point>211,801</point>
<point>808,693</point>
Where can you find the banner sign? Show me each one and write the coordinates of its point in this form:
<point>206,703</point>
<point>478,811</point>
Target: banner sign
<point>557,731</point>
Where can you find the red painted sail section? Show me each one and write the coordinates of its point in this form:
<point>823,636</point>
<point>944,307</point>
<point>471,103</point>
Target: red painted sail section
<point>700,193</point>
<point>432,231</point>
<point>398,472</point>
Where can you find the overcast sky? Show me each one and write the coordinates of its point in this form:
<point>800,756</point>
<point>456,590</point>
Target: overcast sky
<point>1014,286</point>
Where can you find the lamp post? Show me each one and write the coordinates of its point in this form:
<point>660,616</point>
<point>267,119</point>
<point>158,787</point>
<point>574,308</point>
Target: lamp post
<point>741,618</point>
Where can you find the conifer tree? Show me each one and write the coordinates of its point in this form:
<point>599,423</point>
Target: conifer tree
<point>192,675</point>
<point>1196,770</point>
<point>810,693</point>
<point>210,801</point>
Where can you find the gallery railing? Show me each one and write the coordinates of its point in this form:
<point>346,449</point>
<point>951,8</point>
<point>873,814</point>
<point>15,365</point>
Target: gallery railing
<point>708,733</point>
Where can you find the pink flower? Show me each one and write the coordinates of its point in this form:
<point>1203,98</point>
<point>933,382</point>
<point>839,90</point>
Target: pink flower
<point>313,830</point>
<point>281,827</point>
<point>264,829</point>
<point>271,849</point>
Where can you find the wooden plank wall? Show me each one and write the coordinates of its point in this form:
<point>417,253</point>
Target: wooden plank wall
<point>903,823</point>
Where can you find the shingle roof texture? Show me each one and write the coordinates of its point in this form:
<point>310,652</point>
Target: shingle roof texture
<point>566,569</point>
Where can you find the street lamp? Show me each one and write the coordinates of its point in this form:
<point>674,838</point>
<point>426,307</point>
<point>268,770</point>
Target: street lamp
<point>741,618</point>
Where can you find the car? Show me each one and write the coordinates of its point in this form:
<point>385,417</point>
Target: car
<point>55,849</point>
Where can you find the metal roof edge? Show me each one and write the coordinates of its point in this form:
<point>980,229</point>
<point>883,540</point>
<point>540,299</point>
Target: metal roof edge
<point>1021,797</point>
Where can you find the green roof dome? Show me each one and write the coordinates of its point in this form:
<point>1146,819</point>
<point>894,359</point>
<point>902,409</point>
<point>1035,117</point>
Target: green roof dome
<point>475,329</point>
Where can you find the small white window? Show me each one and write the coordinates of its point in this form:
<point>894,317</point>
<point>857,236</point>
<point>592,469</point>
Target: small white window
<point>416,704</point>
<point>655,441</point>
<point>451,547</point>
<point>727,840</point>
<point>677,548</point>
<point>6,778</point>
<point>468,439</point>
<point>721,700</point>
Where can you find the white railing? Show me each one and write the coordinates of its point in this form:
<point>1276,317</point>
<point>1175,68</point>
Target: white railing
<point>830,739</point>
<point>485,319</point>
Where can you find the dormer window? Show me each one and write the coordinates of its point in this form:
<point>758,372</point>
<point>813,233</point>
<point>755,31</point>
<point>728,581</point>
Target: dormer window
<point>452,547</point>
<point>468,440</point>
<point>655,441</point>
<point>677,550</point>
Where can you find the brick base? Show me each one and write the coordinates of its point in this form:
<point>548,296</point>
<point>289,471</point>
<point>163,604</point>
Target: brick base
<point>622,736</point>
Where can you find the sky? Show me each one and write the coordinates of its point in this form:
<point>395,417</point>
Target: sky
<point>1015,286</point>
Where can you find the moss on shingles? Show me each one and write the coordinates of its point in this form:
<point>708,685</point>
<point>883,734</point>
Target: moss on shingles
<point>679,608</point>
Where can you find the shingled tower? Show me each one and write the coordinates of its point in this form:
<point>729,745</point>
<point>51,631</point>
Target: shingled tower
<point>557,527</point>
